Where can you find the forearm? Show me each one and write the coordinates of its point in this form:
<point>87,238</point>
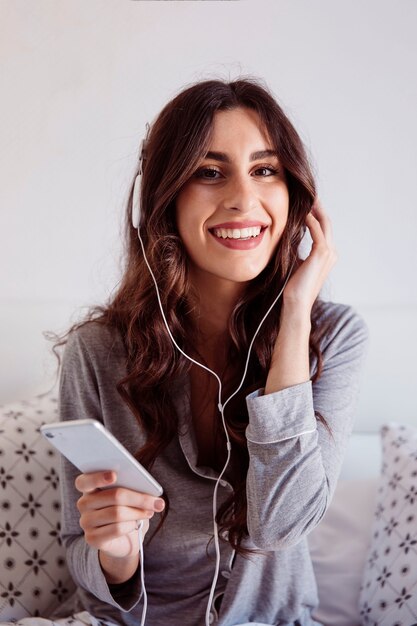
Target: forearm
<point>118,570</point>
<point>294,460</point>
<point>290,359</point>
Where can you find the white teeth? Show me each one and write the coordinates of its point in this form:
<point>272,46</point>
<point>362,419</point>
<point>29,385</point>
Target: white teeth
<point>237,233</point>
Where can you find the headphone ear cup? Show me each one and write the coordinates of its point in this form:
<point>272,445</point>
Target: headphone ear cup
<point>136,202</point>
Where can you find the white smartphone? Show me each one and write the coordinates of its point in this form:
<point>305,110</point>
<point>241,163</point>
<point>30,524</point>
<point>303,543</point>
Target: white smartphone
<point>88,445</point>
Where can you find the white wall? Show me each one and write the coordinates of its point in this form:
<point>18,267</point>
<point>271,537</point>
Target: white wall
<point>80,79</point>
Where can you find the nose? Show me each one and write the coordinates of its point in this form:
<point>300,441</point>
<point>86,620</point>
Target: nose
<point>239,195</point>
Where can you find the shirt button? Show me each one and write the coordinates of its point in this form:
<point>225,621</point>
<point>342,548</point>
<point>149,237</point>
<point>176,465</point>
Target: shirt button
<point>225,573</point>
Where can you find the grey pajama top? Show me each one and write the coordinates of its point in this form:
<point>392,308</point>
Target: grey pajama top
<point>293,469</point>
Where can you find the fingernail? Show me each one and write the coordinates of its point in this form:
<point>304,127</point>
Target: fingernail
<point>108,477</point>
<point>159,505</point>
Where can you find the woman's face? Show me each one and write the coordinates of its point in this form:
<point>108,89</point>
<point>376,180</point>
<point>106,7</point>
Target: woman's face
<point>233,210</point>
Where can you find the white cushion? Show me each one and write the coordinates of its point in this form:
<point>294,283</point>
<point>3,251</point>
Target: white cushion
<point>33,575</point>
<point>338,548</point>
<point>389,591</point>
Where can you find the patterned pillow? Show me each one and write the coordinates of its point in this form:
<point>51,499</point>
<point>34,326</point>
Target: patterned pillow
<point>33,574</point>
<point>389,587</point>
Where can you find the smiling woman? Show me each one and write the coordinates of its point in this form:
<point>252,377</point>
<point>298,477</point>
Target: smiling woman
<point>233,210</point>
<point>239,401</point>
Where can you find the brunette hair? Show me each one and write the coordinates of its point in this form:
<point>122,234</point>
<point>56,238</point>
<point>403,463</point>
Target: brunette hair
<point>177,142</point>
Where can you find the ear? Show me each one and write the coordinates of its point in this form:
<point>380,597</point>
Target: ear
<point>136,202</point>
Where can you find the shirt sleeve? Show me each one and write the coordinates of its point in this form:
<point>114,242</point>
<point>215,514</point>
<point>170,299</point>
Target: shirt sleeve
<point>294,459</point>
<point>79,397</point>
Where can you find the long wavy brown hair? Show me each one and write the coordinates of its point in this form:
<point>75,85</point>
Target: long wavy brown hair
<point>175,146</point>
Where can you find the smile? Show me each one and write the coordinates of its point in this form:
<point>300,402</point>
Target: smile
<point>239,238</point>
<point>237,233</point>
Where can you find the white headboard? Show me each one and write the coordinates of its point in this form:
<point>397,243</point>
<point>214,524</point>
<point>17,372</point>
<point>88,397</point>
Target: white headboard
<point>363,457</point>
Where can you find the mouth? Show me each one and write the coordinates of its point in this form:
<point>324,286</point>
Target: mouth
<point>239,236</point>
<point>242,234</point>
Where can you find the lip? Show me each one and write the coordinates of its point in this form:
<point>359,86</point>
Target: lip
<point>239,225</point>
<point>239,244</point>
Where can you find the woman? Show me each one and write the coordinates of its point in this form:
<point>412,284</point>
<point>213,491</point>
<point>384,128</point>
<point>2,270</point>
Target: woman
<point>226,196</point>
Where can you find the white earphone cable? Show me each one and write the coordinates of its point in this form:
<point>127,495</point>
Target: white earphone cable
<point>221,407</point>
<point>142,575</point>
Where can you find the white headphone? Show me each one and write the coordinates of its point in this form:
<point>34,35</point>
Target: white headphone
<point>137,186</point>
<point>136,201</point>
<point>135,222</point>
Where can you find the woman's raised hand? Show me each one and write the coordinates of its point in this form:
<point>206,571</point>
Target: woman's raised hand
<point>305,284</point>
<point>110,517</point>
<point>290,358</point>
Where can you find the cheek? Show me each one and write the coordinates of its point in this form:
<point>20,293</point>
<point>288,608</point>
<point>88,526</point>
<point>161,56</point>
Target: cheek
<point>181,211</point>
<point>185,206</point>
<point>188,225</point>
<point>280,210</point>
<point>193,208</point>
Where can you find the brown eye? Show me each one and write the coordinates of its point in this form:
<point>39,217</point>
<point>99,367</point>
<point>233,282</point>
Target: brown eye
<point>266,171</point>
<point>208,173</point>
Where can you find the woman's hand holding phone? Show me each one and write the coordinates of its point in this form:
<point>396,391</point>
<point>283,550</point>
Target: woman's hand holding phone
<point>116,493</point>
<point>110,519</point>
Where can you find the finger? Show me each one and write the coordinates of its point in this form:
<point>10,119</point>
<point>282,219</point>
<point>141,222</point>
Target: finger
<point>320,229</point>
<point>110,531</point>
<point>316,230</point>
<point>120,496</point>
<point>320,214</point>
<point>320,243</point>
<point>317,207</point>
<point>113,515</point>
<point>87,483</point>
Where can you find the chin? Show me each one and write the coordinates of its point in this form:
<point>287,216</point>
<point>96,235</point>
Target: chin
<point>237,274</point>
<point>243,276</point>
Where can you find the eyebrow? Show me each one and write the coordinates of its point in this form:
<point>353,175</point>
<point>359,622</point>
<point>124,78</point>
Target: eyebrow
<point>255,156</point>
